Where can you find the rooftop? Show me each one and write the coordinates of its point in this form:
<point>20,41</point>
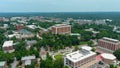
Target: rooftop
<point>110,39</point>
<point>76,34</point>
<point>24,31</point>
<point>8,43</point>
<point>79,55</point>
<point>31,42</point>
<point>31,26</point>
<point>87,48</point>
<point>28,58</point>
<point>2,63</point>
<point>60,25</point>
<point>108,56</point>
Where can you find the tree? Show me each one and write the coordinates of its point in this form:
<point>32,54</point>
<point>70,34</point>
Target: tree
<point>112,66</point>
<point>90,43</point>
<point>65,67</point>
<point>76,48</point>
<point>117,54</point>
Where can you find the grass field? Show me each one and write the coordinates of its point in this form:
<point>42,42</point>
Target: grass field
<point>58,57</point>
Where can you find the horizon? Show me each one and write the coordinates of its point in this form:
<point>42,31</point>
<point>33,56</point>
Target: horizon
<point>59,6</point>
<point>68,12</point>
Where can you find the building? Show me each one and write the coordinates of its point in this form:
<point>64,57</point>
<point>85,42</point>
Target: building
<point>5,26</point>
<point>102,22</point>
<point>76,34</point>
<point>61,29</point>
<point>43,53</point>
<point>107,45</point>
<point>86,48</point>
<point>26,34</point>
<point>99,64</point>
<point>79,58</point>
<point>3,64</point>
<point>32,26</point>
<point>19,26</point>
<point>43,31</point>
<point>27,60</point>
<point>30,43</point>
<point>84,21</point>
<point>108,58</point>
<point>8,47</point>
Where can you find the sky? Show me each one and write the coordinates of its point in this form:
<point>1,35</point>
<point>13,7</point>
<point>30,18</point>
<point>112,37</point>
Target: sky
<point>59,5</point>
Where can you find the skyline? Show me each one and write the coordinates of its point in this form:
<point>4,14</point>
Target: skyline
<point>59,6</point>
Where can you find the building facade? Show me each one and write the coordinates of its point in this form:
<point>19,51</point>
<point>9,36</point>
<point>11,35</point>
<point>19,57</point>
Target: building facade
<point>61,29</point>
<point>108,45</point>
<point>79,58</point>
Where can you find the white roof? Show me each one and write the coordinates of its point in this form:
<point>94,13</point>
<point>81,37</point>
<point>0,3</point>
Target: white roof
<point>108,56</point>
<point>86,48</point>
<point>2,63</point>
<point>77,34</point>
<point>8,43</point>
<point>31,26</point>
<point>79,55</point>
<point>28,62</point>
<point>12,35</point>
<point>60,25</point>
<point>110,39</point>
<point>28,58</point>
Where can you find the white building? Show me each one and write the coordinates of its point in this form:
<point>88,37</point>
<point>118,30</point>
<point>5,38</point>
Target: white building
<point>8,47</point>
<point>32,27</point>
<point>108,58</point>
<point>79,58</point>
<point>3,64</point>
<point>27,60</point>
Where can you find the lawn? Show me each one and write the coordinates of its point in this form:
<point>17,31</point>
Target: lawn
<point>82,43</point>
<point>58,57</point>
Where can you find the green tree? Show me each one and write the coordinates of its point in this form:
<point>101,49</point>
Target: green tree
<point>117,54</point>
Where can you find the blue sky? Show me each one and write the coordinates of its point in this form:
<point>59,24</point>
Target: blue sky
<point>59,5</point>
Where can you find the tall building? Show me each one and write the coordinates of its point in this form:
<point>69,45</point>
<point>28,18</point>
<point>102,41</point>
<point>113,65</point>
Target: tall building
<point>8,47</point>
<point>108,45</point>
<point>61,29</point>
<point>79,58</point>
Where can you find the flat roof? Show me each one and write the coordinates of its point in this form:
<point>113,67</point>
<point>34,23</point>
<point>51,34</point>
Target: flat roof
<point>28,57</point>
<point>108,56</point>
<point>24,31</point>
<point>110,39</point>
<point>2,63</point>
<point>28,62</point>
<point>60,25</point>
<point>77,34</point>
<point>7,43</point>
<point>79,55</point>
<point>87,48</point>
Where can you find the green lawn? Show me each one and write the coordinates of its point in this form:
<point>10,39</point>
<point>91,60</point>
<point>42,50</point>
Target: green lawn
<point>82,43</point>
<point>58,57</point>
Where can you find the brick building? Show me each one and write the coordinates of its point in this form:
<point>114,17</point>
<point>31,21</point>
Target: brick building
<point>61,29</point>
<point>108,45</point>
<point>19,26</point>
